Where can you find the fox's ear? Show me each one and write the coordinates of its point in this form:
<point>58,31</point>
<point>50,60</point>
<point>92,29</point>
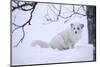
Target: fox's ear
<point>71,25</point>
<point>82,25</point>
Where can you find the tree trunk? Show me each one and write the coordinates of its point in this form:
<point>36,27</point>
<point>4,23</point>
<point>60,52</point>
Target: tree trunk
<point>91,20</point>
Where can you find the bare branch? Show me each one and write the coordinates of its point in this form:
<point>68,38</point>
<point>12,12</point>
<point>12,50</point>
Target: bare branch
<point>22,7</point>
<point>78,9</point>
<point>57,15</point>
<point>15,24</point>
<point>22,37</point>
<point>55,7</point>
<point>73,8</point>
<point>52,10</point>
<point>16,28</point>
<point>83,8</point>
<point>74,12</point>
<point>30,17</point>
<point>67,18</point>
<point>80,14</point>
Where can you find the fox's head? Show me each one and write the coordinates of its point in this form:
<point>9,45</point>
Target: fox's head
<point>77,27</point>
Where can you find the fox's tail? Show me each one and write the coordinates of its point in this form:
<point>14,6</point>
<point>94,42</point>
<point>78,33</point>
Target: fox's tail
<point>40,43</point>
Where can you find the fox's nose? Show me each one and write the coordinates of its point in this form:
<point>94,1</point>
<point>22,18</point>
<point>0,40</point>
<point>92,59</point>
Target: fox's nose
<point>75,32</point>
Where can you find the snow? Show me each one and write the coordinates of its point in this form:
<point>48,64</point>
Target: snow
<point>37,55</point>
<point>26,54</point>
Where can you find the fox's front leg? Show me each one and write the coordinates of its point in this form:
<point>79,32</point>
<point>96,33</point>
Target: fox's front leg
<point>65,46</point>
<point>71,46</point>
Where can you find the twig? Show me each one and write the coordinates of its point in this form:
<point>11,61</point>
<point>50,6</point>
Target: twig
<point>57,15</point>
<point>28,22</point>
<point>74,12</point>
<point>21,38</point>
<point>52,10</point>
<point>73,8</point>
<point>55,7</point>
<point>23,5</point>
<point>67,18</point>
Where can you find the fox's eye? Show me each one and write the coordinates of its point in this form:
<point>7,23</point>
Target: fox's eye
<point>73,28</point>
<point>78,28</point>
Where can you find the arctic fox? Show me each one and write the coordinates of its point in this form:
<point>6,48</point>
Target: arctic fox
<point>65,39</point>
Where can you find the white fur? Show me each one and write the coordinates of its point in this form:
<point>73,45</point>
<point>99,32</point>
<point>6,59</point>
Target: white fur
<point>64,40</point>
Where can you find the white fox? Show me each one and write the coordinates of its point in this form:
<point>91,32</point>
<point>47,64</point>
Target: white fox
<point>65,39</point>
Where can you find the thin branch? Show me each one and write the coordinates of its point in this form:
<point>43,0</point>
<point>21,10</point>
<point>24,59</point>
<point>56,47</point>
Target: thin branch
<point>22,5</point>
<point>57,15</point>
<point>22,37</point>
<point>30,18</point>
<point>67,18</point>
<point>74,12</point>
<point>15,24</point>
<point>14,18</point>
<point>60,10</point>
<point>83,8</point>
<point>80,14</point>
<point>18,27</point>
<point>33,4</point>
<point>52,10</point>
<point>78,9</point>
<point>55,7</point>
<point>73,8</point>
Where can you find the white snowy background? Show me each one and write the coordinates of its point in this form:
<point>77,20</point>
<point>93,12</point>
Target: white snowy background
<point>26,54</point>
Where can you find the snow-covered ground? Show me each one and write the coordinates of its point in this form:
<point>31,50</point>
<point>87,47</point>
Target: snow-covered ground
<point>26,54</point>
<point>36,55</point>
